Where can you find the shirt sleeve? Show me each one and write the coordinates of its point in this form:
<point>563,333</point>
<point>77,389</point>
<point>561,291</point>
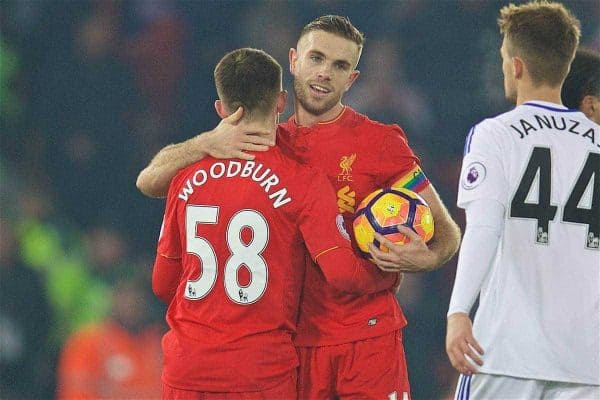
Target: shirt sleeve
<point>328,243</point>
<point>482,175</point>
<point>166,276</point>
<point>485,222</point>
<point>398,164</point>
<point>167,265</point>
<point>169,241</point>
<point>345,271</point>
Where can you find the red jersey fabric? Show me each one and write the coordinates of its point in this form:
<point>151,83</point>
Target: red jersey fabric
<point>367,369</point>
<point>241,230</point>
<point>358,156</point>
<point>283,391</point>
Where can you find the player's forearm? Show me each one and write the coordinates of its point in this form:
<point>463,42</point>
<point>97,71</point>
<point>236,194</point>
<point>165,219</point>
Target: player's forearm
<point>154,180</point>
<point>445,241</point>
<point>348,273</point>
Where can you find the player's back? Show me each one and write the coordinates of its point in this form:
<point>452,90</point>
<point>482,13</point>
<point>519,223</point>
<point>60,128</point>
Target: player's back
<point>540,302</point>
<point>243,260</point>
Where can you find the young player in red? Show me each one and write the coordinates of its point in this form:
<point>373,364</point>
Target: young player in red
<point>349,346</point>
<point>231,255</point>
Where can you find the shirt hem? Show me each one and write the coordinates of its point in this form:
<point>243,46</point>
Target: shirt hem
<point>539,377</point>
<point>329,341</point>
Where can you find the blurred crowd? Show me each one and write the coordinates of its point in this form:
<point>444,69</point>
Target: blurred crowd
<point>90,90</point>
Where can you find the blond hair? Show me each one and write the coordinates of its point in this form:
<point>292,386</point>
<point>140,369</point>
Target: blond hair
<point>544,35</point>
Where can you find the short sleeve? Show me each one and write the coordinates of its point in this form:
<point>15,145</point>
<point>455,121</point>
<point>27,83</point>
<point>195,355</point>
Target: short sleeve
<point>398,162</point>
<point>321,224</point>
<point>169,241</point>
<point>483,174</point>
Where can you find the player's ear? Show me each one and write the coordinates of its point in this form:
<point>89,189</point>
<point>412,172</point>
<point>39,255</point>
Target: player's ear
<point>353,76</point>
<point>281,101</point>
<point>293,56</point>
<point>587,105</point>
<point>221,110</point>
<point>518,67</point>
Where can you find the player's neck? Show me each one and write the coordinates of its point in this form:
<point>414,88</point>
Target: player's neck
<point>305,118</point>
<point>539,93</point>
<point>267,127</point>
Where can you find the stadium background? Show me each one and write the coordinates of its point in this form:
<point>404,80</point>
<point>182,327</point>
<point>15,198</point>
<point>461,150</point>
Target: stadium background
<point>90,90</point>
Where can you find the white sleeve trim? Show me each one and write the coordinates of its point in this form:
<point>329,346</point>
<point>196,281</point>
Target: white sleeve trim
<point>485,222</point>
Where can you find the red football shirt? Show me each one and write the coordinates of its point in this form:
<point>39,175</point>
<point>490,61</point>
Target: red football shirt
<point>359,156</point>
<point>240,229</point>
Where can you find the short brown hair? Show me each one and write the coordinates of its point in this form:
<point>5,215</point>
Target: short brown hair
<point>583,79</point>
<point>249,78</point>
<point>545,35</point>
<point>337,25</point>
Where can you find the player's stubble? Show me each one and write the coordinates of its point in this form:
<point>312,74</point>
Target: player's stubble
<point>302,94</point>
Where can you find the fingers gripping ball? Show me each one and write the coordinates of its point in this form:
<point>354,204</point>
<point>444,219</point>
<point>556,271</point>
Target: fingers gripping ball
<point>383,210</point>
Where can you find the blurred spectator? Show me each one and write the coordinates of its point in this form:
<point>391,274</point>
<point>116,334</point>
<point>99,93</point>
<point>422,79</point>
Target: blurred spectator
<point>9,68</point>
<point>90,144</point>
<point>55,250</point>
<point>25,318</point>
<point>118,358</point>
<point>156,52</point>
<point>106,251</point>
<point>386,91</point>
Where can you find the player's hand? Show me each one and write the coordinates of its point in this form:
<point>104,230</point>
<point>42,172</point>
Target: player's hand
<point>233,138</point>
<point>413,256</point>
<point>461,345</point>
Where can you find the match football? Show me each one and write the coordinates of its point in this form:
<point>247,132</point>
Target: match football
<point>383,210</point>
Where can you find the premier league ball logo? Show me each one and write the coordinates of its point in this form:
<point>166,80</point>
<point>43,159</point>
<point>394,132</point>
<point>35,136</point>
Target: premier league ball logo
<point>473,175</point>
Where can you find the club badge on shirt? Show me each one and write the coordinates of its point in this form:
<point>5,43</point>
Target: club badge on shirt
<point>339,221</point>
<point>473,175</point>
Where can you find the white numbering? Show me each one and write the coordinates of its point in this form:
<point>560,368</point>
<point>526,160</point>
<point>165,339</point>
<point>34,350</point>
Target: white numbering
<point>242,254</point>
<point>248,255</point>
<point>394,396</point>
<point>202,249</point>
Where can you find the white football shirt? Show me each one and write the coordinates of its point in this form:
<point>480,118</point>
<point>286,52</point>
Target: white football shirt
<point>538,316</point>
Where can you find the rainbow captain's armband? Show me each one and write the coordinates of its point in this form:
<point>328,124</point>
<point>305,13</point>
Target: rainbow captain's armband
<point>414,180</point>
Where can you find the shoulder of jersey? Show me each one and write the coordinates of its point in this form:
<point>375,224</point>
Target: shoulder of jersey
<point>371,127</point>
<point>524,111</point>
<point>183,173</point>
<point>291,165</point>
<point>498,124</point>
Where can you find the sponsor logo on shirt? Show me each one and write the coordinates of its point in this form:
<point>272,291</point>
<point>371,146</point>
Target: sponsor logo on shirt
<point>346,199</point>
<point>473,175</point>
<point>346,165</point>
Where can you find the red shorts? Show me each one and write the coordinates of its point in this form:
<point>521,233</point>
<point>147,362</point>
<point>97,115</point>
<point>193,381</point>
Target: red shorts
<point>368,369</point>
<point>284,391</point>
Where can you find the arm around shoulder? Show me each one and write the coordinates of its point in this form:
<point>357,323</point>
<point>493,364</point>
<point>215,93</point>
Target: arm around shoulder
<point>154,180</point>
<point>229,139</point>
